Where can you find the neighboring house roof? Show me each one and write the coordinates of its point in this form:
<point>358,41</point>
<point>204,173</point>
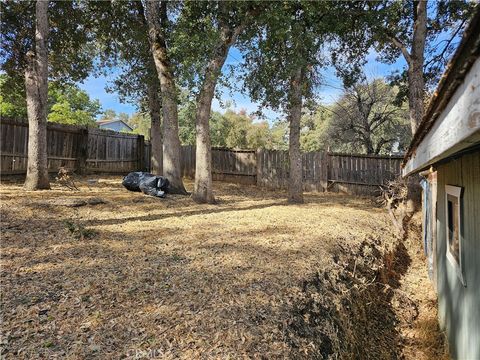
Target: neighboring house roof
<point>103,123</point>
<point>452,120</point>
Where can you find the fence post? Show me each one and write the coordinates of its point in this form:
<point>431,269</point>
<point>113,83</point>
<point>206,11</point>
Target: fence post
<point>258,165</point>
<point>140,155</point>
<point>82,151</point>
<point>147,156</point>
<point>322,163</point>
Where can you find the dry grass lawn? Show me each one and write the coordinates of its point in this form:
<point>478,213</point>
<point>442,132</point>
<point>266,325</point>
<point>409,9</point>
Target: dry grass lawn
<point>140,277</point>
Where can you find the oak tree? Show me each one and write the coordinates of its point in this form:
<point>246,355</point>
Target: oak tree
<point>158,34</point>
<point>43,40</point>
<point>122,45</point>
<point>366,119</point>
<point>424,33</point>
<point>282,65</point>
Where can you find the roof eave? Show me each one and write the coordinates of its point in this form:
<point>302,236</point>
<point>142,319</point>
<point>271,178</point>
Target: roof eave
<point>463,59</point>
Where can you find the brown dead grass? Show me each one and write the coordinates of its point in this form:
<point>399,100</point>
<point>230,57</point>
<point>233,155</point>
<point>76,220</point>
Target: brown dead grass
<point>164,278</point>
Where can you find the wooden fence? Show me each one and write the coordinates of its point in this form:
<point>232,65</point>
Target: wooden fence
<point>352,173</point>
<point>88,150</point>
<point>273,170</point>
<point>322,171</point>
<point>361,174</point>
<point>237,166</point>
<point>75,147</point>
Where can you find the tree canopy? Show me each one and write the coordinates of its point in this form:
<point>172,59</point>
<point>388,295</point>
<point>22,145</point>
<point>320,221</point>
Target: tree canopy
<point>169,58</point>
<point>70,42</point>
<point>367,120</point>
<point>66,104</point>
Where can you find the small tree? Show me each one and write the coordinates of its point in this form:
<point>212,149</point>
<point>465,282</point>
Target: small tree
<point>68,104</point>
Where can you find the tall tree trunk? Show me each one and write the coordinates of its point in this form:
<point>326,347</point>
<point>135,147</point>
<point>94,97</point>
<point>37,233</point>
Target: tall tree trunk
<point>415,61</point>
<point>36,84</point>
<point>155,128</point>
<point>367,138</point>
<point>416,82</point>
<point>156,19</point>
<point>369,150</point>
<point>154,105</point>
<point>203,192</point>
<point>295,185</point>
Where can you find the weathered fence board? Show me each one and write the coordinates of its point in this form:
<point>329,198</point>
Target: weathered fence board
<point>74,147</point>
<point>273,170</point>
<point>95,150</point>
<point>363,169</point>
<point>227,165</point>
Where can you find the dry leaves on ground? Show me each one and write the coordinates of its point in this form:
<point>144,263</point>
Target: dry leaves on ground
<point>134,276</point>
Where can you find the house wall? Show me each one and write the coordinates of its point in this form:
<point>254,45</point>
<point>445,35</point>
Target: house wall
<point>115,126</point>
<point>459,305</point>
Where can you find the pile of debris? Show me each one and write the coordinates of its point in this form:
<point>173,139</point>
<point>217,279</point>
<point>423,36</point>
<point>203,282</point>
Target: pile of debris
<point>147,183</point>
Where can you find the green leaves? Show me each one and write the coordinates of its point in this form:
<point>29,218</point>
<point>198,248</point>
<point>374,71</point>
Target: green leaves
<point>390,19</point>
<point>69,40</point>
<point>67,104</point>
<point>12,98</point>
<point>122,45</point>
<point>287,36</point>
<point>232,130</point>
<point>366,119</point>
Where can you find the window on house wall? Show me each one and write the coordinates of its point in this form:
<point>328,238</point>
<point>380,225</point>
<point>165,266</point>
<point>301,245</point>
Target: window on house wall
<point>453,228</point>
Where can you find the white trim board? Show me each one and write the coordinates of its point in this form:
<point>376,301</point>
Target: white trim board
<point>457,127</point>
<point>456,192</point>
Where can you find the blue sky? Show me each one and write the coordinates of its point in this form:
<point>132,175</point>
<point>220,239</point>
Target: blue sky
<point>328,92</point>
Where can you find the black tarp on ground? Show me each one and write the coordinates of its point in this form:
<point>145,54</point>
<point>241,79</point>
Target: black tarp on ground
<point>147,183</point>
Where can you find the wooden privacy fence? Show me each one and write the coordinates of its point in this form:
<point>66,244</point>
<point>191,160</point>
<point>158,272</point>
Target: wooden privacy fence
<point>75,147</point>
<point>239,166</point>
<point>359,174</point>
<point>87,150</point>
<point>273,169</point>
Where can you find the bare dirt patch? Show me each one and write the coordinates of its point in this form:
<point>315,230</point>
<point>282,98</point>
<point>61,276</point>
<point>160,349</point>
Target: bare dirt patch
<point>136,276</point>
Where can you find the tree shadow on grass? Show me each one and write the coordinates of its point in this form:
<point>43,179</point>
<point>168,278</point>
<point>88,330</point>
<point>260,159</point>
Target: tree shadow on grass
<point>187,213</point>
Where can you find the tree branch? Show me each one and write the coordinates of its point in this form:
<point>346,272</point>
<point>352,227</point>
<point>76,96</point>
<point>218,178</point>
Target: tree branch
<point>395,41</point>
<point>381,143</point>
<point>449,41</point>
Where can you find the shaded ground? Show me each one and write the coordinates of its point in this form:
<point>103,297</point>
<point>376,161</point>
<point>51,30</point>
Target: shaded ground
<point>140,277</point>
<point>421,338</point>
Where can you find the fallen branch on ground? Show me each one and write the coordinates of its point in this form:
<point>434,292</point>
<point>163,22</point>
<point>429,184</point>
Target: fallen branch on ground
<point>64,179</point>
